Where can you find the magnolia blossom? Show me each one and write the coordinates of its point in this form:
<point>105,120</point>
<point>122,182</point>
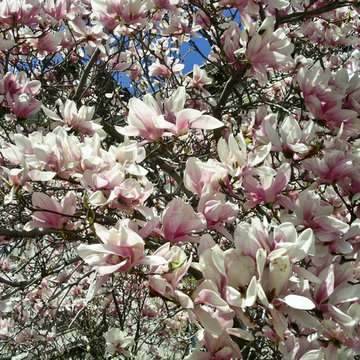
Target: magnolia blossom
<point>216,301</point>
<point>148,120</point>
<point>23,105</point>
<point>48,43</point>
<point>199,79</point>
<point>61,9</point>
<point>292,138</point>
<point>72,119</point>
<point>39,159</point>
<point>264,48</point>
<point>216,210</point>
<point>333,167</point>
<point>19,84</point>
<point>269,187</point>
<point>326,96</point>
<point>329,230</point>
<point>199,175</point>
<point>54,214</point>
<point>143,121</point>
<point>19,11</point>
<point>113,13</point>
<point>93,34</point>
<point>167,69</point>
<point>240,161</point>
<point>181,28</point>
<point>166,277</point>
<point>117,342</point>
<point>180,221</point>
<point>219,347</point>
<point>121,250</point>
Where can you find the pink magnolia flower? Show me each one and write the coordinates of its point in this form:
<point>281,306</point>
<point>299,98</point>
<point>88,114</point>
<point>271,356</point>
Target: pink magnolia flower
<point>275,255</point>
<point>25,12</point>
<point>341,344</point>
<point>112,13</point>
<point>23,105</point>
<point>109,187</point>
<point>269,187</point>
<point>216,210</point>
<point>43,157</point>
<point>331,232</point>
<point>219,347</point>
<point>167,69</point>
<point>19,84</point>
<point>164,278</point>
<point>251,6</point>
<point>300,347</point>
<point>91,35</point>
<point>48,43</point>
<point>231,40</point>
<point>129,155</point>
<point>277,4</point>
<point>170,5</point>
<point>200,79</point>
<point>351,184</point>
<point>122,249</point>
<point>216,301</point>
<point>180,28</point>
<point>249,238</point>
<point>133,192</point>
<point>61,9</point>
<point>198,175</point>
<point>329,32</point>
<point>180,221</point>
<point>192,118</point>
<point>335,289</point>
<point>144,121</point>
<point>147,119</point>
<point>72,119</point>
<point>239,160</point>
<point>52,214</point>
<point>271,48</point>
<point>292,138</point>
<point>175,267</point>
<point>324,95</point>
<point>6,327</point>
<point>335,165</point>
<point>264,48</point>
<point>185,118</point>
<point>117,342</point>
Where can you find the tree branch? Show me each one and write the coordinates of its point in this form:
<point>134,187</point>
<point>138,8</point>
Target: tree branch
<point>229,87</point>
<point>26,234</point>
<point>85,75</point>
<point>20,285</point>
<point>288,18</point>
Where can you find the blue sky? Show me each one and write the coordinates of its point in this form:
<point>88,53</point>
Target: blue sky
<point>194,57</point>
<point>190,58</point>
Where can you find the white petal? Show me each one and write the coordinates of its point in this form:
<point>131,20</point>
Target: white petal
<point>299,302</point>
<point>241,333</point>
<point>251,292</point>
<point>313,355</point>
<point>209,323</point>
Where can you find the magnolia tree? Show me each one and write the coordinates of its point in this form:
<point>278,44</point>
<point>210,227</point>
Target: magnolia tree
<point>151,212</point>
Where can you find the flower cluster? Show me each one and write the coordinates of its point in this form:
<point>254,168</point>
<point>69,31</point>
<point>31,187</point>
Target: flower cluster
<point>155,208</point>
